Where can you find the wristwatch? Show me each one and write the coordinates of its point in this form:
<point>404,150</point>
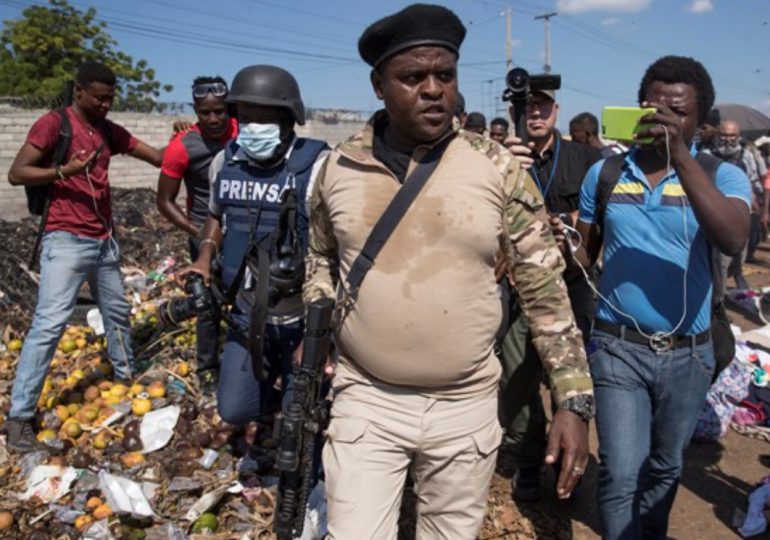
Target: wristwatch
<point>583,405</point>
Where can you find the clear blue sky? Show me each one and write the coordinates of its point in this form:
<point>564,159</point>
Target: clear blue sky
<point>600,47</point>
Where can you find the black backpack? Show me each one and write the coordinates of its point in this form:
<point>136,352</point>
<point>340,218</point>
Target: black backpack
<point>37,196</point>
<point>721,334</point>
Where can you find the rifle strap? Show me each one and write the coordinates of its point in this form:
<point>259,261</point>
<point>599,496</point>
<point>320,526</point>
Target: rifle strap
<point>392,215</point>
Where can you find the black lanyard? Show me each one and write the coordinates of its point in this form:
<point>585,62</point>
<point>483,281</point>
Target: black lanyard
<point>536,176</point>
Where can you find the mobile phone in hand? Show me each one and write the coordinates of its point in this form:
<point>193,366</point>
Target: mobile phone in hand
<point>622,123</point>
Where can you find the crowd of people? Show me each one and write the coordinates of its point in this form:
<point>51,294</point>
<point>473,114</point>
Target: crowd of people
<point>512,228</point>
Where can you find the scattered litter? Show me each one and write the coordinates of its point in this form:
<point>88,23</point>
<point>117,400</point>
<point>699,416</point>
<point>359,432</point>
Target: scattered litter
<point>49,483</point>
<point>755,522</point>
<point>94,319</point>
<point>158,427</point>
<point>124,496</point>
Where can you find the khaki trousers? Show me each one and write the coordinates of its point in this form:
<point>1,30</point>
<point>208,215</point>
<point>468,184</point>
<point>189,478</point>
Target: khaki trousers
<point>379,432</point>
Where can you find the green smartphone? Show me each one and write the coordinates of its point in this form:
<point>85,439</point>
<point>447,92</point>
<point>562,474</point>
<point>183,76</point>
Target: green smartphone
<point>621,123</point>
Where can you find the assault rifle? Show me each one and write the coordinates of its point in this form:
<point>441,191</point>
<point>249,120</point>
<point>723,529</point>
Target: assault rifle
<point>302,424</point>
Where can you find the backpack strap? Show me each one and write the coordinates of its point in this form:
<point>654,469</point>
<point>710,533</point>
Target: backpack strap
<point>65,137</point>
<point>45,192</point>
<point>609,175</point>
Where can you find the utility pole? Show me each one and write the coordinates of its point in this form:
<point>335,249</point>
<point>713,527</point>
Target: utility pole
<point>508,39</point>
<point>546,18</point>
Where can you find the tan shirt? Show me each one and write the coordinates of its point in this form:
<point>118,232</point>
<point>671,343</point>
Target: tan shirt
<point>427,312</point>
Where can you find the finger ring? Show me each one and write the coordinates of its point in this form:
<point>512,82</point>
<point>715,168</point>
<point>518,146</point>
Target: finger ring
<point>578,470</point>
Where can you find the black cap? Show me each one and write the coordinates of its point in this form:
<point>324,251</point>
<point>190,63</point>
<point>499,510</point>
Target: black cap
<point>413,26</point>
<point>476,120</point>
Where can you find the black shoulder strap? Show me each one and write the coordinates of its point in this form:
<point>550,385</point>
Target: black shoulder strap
<point>65,138</point>
<point>609,175</point>
<point>46,191</point>
<point>393,214</point>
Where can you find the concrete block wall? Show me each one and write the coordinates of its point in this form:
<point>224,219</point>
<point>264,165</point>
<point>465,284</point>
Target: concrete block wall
<point>125,172</point>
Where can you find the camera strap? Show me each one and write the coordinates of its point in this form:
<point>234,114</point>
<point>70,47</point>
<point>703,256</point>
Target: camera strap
<point>391,217</point>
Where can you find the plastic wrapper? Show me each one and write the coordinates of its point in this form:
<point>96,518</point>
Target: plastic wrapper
<point>158,427</point>
<point>124,496</point>
<point>49,482</point>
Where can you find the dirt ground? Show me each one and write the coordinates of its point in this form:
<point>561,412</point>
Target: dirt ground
<point>717,477</point>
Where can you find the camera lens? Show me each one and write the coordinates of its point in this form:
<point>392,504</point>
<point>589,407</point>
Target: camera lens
<point>517,80</point>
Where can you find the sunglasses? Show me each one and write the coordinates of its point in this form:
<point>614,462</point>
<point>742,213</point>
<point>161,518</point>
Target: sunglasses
<point>218,89</point>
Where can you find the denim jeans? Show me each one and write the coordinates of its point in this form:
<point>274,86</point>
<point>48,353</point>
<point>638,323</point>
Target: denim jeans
<point>647,405</point>
<point>240,397</point>
<point>66,261</point>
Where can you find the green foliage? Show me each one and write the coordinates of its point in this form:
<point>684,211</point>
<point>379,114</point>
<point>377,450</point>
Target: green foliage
<point>43,49</point>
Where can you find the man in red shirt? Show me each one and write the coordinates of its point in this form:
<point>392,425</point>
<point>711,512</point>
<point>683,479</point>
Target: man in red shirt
<point>187,158</point>
<point>78,243</point>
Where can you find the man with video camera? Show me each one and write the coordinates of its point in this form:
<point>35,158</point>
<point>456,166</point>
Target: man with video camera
<point>258,220</point>
<point>557,167</point>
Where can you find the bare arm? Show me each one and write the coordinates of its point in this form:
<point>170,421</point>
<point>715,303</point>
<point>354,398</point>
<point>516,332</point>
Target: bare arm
<point>147,153</point>
<point>168,190</point>
<point>211,240</point>
<point>26,171</point>
<point>724,220</point>
<point>537,267</point>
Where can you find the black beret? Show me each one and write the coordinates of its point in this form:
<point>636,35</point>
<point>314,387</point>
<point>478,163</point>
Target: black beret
<point>415,25</point>
<point>476,120</point>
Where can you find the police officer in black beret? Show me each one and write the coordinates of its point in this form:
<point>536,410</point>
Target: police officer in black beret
<point>416,380</point>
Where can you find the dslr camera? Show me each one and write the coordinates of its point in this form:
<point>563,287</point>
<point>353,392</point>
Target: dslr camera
<point>200,302</point>
<point>519,87</point>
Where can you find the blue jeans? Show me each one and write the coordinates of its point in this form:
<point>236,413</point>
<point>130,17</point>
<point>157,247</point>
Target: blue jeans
<point>240,397</point>
<point>66,261</point>
<point>647,405</point>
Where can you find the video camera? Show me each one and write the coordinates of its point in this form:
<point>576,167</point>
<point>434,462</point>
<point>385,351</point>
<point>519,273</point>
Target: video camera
<point>200,302</point>
<point>520,86</point>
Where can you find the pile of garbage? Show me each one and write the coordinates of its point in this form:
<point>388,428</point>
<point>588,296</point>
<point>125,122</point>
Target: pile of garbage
<point>145,237</point>
<point>148,458</point>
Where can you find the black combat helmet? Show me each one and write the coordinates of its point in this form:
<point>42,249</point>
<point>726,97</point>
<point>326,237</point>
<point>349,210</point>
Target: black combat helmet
<point>270,86</point>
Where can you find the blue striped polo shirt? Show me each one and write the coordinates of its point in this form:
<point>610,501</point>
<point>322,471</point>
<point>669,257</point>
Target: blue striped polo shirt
<point>648,234</point>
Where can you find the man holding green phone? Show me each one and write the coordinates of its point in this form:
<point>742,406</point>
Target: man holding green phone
<point>651,352</point>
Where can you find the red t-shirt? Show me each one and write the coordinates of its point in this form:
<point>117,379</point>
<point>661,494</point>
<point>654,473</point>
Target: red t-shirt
<point>73,199</point>
<point>176,158</point>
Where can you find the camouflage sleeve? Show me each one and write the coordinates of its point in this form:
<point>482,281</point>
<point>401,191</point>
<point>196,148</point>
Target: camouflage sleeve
<point>537,267</point>
<point>321,260</point>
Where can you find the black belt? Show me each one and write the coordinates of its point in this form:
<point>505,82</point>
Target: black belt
<point>658,343</point>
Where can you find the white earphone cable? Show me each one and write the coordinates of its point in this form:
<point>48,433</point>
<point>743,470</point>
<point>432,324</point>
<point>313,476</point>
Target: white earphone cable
<point>572,232</point>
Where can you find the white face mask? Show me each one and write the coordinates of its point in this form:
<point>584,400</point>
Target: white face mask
<point>259,141</point>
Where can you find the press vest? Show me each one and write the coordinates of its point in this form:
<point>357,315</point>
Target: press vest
<point>250,199</point>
